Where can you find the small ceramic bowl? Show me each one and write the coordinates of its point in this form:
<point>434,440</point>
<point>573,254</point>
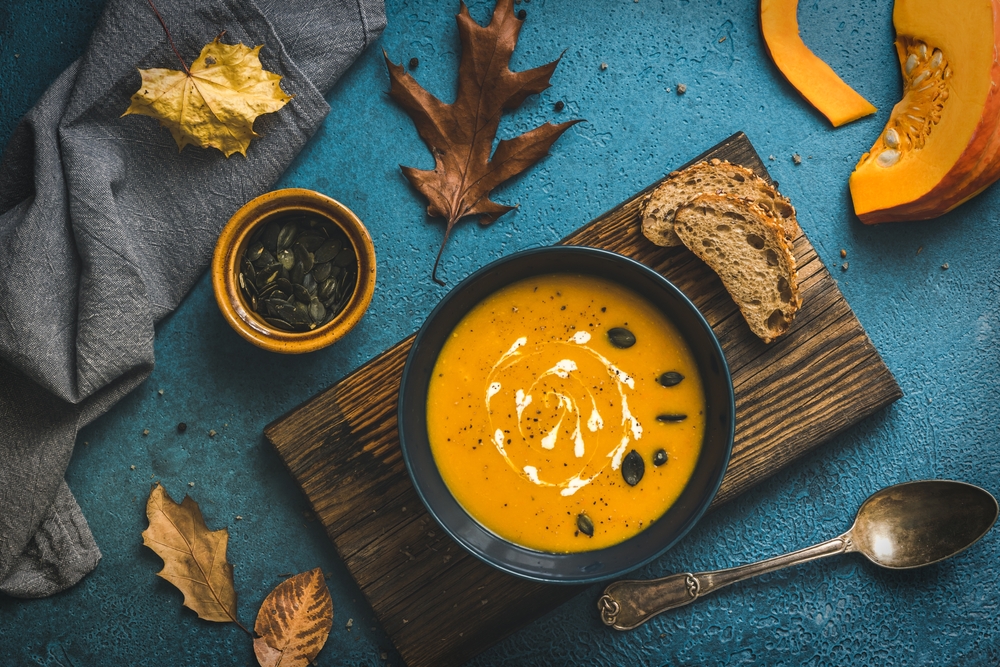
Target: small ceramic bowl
<point>587,566</point>
<point>233,242</point>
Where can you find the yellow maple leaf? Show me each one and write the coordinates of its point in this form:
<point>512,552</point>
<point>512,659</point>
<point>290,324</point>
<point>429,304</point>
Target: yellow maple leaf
<point>215,103</point>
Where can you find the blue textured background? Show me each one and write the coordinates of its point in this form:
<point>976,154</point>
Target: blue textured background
<point>937,330</point>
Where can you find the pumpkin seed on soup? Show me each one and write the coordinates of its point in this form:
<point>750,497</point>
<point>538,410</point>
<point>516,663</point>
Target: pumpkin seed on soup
<point>670,418</point>
<point>584,524</point>
<point>670,379</point>
<point>660,457</point>
<point>621,337</point>
<point>633,468</point>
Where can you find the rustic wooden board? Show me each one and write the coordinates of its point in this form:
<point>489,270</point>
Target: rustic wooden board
<point>440,605</point>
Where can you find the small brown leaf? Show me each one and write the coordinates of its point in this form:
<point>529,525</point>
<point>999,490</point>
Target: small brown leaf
<point>194,558</point>
<point>294,621</point>
<point>460,135</point>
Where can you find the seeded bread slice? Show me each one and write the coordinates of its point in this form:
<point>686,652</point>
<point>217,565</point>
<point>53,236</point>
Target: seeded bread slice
<point>715,177</point>
<point>748,250</point>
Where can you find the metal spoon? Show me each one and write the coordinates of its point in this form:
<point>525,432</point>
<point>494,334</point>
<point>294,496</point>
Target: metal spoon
<point>900,527</point>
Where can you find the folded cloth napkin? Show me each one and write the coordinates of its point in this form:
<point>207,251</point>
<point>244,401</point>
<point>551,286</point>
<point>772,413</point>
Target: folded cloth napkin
<point>105,226</point>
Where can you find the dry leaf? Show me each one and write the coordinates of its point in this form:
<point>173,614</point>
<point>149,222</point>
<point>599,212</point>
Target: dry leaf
<point>194,558</point>
<point>213,104</point>
<point>294,621</point>
<point>460,135</point>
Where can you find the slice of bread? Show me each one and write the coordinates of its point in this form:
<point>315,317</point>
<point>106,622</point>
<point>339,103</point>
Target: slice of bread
<point>748,250</point>
<point>715,177</point>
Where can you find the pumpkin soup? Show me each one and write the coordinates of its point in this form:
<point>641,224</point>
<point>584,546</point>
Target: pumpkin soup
<point>565,413</point>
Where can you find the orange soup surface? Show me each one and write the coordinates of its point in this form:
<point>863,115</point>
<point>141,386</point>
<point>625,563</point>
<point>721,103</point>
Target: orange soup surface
<point>564,405</point>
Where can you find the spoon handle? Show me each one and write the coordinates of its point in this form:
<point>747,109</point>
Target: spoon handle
<point>630,603</point>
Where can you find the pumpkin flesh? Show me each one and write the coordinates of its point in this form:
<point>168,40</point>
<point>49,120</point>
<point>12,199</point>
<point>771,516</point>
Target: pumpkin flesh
<point>813,78</point>
<point>941,144</point>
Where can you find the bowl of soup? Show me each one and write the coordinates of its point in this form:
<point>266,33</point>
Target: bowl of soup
<point>566,414</point>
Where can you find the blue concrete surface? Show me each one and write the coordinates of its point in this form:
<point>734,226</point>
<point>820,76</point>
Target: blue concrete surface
<point>937,330</point>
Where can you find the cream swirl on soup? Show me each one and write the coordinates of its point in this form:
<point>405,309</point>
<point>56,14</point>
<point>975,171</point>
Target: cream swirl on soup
<point>573,388</point>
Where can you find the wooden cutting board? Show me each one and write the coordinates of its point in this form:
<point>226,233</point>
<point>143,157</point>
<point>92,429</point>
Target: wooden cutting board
<point>440,605</point>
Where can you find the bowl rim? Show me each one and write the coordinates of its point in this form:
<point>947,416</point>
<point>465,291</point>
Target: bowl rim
<point>234,238</point>
<point>520,571</point>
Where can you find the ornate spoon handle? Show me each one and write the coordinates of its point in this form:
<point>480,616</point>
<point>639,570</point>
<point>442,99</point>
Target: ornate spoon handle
<point>628,604</point>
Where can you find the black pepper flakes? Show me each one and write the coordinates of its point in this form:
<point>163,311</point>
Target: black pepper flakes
<point>521,14</point>
<point>414,62</point>
<point>182,427</point>
<point>559,106</point>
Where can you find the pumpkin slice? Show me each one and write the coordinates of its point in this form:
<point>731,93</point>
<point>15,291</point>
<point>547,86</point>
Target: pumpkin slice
<point>941,145</point>
<point>813,78</point>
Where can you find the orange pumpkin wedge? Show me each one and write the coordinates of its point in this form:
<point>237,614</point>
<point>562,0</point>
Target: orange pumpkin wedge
<point>941,145</point>
<point>813,78</point>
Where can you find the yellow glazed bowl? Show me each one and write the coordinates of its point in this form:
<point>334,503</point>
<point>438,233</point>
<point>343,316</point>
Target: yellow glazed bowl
<point>233,242</point>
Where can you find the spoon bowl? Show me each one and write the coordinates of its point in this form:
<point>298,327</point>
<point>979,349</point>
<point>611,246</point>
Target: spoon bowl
<point>918,523</point>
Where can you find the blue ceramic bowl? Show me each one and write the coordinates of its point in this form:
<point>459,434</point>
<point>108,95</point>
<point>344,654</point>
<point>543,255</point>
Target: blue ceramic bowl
<point>589,566</point>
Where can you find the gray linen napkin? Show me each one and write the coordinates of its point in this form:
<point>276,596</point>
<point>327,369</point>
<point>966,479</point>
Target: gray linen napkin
<point>105,226</point>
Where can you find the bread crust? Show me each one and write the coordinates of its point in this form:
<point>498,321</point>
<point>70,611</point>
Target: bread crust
<point>714,177</point>
<point>751,254</point>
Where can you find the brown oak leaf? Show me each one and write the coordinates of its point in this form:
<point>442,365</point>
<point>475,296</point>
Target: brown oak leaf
<point>194,558</point>
<point>460,135</point>
<point>294,621</point>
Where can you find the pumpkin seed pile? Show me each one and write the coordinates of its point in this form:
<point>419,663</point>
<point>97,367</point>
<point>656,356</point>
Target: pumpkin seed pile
<point>298,272</point>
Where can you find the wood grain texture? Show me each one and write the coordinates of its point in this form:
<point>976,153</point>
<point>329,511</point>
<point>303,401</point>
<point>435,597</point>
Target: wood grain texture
<point>440,605</point>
